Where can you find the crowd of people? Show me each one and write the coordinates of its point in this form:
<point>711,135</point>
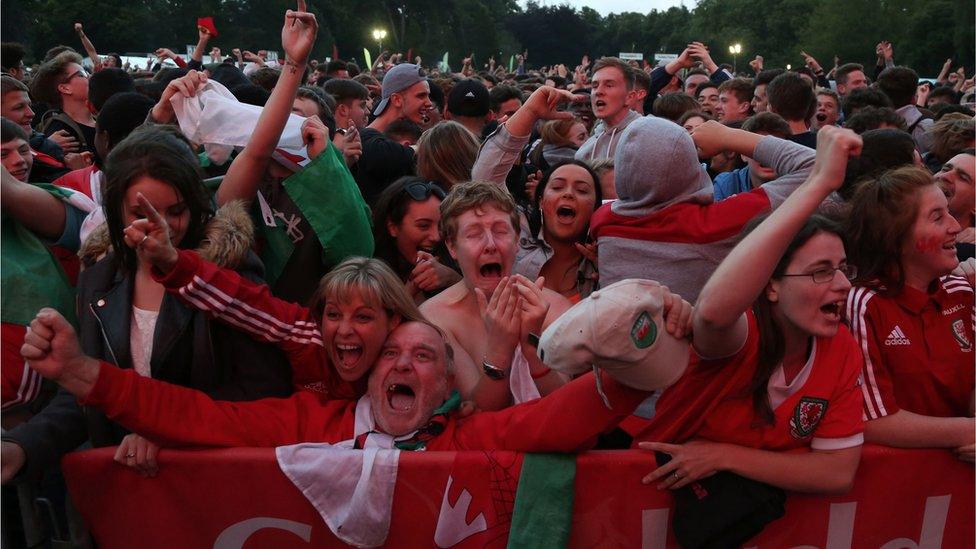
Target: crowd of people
<point>274,248</point>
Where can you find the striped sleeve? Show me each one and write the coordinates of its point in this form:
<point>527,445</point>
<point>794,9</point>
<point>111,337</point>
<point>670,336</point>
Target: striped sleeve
<point>234,300</point>
<point>955,284</point>
<point>876,386</point>
<point>23,385</point>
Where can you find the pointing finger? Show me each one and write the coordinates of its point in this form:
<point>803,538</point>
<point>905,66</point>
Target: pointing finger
<point>150,212</point>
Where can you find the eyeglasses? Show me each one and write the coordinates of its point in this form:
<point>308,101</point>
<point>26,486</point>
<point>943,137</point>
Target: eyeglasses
<point>82,73</point>
<point>421,191</point>
<point>823,276</point>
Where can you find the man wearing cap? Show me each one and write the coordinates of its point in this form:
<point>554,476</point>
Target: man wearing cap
<point>410,403</point>
<point>470,105</point>
<point>406,94</point>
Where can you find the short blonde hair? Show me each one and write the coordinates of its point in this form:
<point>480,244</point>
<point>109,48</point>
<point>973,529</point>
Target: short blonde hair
<point>376,283</point>
<point>446,153</point>
<point>474,194</point>
<point>601,165</point>
<point>951,135</point>
<point>556,132</point>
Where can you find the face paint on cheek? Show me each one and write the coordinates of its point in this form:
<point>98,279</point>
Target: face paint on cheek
<point>928,244</point>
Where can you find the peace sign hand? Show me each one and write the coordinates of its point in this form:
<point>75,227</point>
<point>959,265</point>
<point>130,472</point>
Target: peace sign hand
<point>149,237</point>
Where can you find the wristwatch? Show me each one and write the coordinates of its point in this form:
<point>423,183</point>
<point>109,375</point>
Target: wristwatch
<point>493,372</point>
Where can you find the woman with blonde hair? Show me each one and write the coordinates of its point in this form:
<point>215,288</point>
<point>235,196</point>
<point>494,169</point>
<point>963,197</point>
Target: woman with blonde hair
<point>331,344</point>
<point>446,153</point>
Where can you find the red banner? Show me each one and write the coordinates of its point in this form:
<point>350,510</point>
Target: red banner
<point>240,498</point>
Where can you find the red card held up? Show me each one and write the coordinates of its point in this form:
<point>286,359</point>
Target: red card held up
<point>207,23</point>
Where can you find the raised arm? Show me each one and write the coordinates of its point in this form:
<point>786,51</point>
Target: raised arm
<point>33,207</point>
<point>720,324</point>
<point>944,73</point>
<point>247,170</point>
<point>791,161</point>
<point>166,53</point>
<point>196,60</point>
<point>144,405</point>
<point>89,48</point>
<point>502,148</point>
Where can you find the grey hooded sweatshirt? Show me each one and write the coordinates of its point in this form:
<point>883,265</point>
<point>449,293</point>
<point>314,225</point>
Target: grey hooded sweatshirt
<point>665,226</point>
<point>603,143</point>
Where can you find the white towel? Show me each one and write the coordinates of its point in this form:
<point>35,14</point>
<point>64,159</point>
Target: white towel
<point>96,216</point>
<point>520,379</point>
<point>215,119</point>
<point>351,489</point>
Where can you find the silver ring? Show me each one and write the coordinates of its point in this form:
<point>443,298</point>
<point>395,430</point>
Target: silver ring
<point>676,474</point>
<point>144,239</point>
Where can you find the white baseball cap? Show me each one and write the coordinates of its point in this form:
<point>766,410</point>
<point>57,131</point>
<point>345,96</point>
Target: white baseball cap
<point>619,329</point>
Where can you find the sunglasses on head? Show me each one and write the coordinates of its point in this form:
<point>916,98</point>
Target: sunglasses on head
<point>82,73</point>
<point>422,191</point>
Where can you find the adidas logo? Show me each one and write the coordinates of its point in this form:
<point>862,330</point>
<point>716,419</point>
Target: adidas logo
<point>897,337</point>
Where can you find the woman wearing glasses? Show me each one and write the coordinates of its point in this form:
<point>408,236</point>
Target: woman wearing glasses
<point>405,230</point>
<point>773,369</point>
<point>912,319</point>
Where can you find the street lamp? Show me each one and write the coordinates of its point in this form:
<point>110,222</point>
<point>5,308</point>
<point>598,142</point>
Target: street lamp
<point>735,50</point>
<point>379,35</point>
<point>789,67</point>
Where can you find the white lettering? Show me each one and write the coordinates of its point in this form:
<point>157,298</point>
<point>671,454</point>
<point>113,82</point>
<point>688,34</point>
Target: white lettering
<point>954,308</point>
<point>654,528</point>
<point>840,527</point>
<point>933,526</point>
<point>236,535</point>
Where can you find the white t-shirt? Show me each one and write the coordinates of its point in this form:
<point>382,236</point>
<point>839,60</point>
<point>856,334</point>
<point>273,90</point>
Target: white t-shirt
<point>141,332</point>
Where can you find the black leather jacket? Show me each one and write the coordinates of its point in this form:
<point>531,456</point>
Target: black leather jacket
<point>188,350</point>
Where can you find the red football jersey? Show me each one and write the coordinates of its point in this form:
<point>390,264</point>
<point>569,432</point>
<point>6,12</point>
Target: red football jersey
<point>820,408</point>
<point>918,348</point>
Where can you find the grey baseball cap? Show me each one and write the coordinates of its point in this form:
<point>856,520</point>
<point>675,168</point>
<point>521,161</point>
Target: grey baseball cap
<point>396,80</point>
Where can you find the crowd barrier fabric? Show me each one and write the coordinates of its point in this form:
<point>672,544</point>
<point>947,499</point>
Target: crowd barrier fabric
<point>239,498</point>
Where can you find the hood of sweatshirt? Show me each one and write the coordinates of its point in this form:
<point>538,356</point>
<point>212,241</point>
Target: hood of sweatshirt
<point>604,139</point>
<point>656,165</point>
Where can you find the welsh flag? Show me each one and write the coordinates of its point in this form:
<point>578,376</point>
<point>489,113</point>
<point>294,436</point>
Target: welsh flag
<point>30,275</point>
<point>490,499</point>
<point>31,279</point>
<point>328,197</point>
